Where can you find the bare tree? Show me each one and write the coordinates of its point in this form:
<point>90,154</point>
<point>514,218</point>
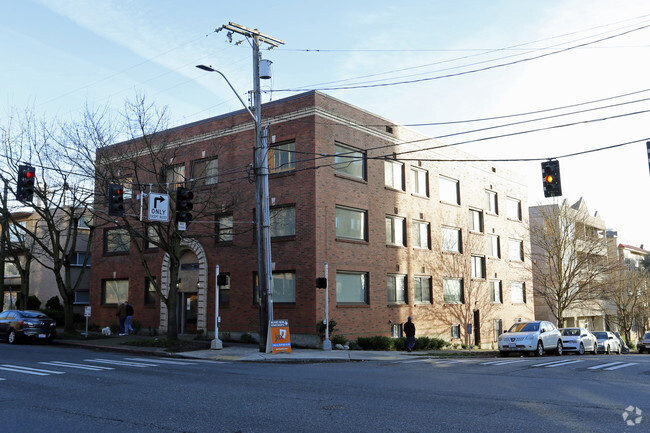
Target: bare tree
<point>569,258</point>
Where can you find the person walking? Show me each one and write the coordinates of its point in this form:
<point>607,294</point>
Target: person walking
<point>129,316</point>
<point>121,314</point>
<point>409,331</point>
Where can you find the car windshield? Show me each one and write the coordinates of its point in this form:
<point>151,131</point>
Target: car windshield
<point>33,315</point>
<point>646,336</point>
<point>571,332</point>
<point>600,334</point>
<point>525,327</point>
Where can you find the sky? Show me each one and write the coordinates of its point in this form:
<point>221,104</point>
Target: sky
<point>579,66</point>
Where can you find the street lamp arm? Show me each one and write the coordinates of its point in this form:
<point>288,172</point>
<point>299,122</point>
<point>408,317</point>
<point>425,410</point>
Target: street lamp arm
<point>211,69</point>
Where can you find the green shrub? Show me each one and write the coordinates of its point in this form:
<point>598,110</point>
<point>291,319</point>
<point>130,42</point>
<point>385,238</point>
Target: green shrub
<point>430,343</point>
<point>33,303</point>
<point>54,303</point>
<point>377,342</point>
<point>400,344</point>
<point>338,339</point>
<point>320,328</point>
<point>57,315</point>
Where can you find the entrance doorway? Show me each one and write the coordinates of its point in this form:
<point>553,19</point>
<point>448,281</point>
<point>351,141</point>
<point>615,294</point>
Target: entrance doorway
<point>477,328</point>
<point>188,306</point>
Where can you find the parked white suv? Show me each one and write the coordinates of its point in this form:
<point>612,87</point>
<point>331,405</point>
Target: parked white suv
<point>531,337</point>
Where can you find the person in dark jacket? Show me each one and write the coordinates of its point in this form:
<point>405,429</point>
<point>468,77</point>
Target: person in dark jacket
<point>409,331</point>
<point>129,316</point>
<point>121,314</point>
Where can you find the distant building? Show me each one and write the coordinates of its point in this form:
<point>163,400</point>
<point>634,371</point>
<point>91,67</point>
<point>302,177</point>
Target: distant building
<point>407,226</point>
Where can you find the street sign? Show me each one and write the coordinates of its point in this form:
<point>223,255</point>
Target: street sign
<point>158,207</point>
<point>280,338</point>
<point>87,312</point>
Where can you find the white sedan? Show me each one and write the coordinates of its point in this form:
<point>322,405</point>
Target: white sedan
<point>579,340</point>
<point>607,342</point>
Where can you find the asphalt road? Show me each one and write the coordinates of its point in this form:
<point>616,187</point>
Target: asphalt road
<point>55,389</point>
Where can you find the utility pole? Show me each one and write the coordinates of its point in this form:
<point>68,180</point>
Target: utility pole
<point>3,242</point>
<point>262,219</point>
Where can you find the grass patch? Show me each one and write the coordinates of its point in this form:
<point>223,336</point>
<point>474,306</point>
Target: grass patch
<point>170,345</point>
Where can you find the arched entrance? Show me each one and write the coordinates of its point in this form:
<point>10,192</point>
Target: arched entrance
<point>192,289</point>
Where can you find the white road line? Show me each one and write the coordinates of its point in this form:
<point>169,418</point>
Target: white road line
<point>448,361</point>
<point>412,361</point>
<point>26,370</point>
<point>596,367</point>
<point>512,361</point>
<point>563,364</point>
<point>122,363</point>
<point>552,363</point>
<point>2,379</point>
<point>162,361</point>
<point>80,366</point>
<point>629,364</point>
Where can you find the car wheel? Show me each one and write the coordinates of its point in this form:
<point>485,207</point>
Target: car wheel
<point>559,349</point>
<point>618,352</point>
<point>540,349</point>
<point>607,351</point>
<point>595,352</point>
<point>581,349</point>
<point>11,337</point>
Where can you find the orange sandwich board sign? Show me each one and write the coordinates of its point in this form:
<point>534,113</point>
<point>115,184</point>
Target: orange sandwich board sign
<point>280,338</point>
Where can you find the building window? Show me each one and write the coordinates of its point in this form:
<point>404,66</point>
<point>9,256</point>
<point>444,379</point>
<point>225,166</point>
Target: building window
<point>350,162</point>
<point>516,248</point>
<point>282,157</point>
<point>494,249</point>
<point>451,240</point>
<point>116,241</point>
<point>478,267</point>
<point>351,223</point>
<point>395,228</point>
<point>518,292</point>
<point>455,331</point>
<point>283,221</point>
<point>420,181</point>
<point>492,205</point>
<point>16,234</point>
<point>449,190</point>
<point>498,329</point>
<point>84,222</point>
<point>284,287</point>
<point>77,259</point>
<point>352,288</point>
<point>394,174</point>
<point>396,330</point>
<point>82,296</point>
<point>150,292</point>
<point>495,292</point>
<point>476,220</point>
<point>224,228</point>
<point>11,270</point>
<point>422,290</point>
<point>174,175</point>
<point>224,291</point>
<point>153,237</point>
<point>205,172</point>
<point>514,209</point>
<point>452,290</point>
<point>420,234</point>
<point>114,291</point>
<point>396,285</point>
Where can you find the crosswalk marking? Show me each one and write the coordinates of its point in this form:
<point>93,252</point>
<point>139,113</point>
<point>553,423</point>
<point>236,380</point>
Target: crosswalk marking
<point>502,362</point>
<point>561,364</point>
<point>622,366</point>
<point>162,361</point>
<point>79,366</point>
<point>27,370</point>
<point>123,363</point>
<point>549,363</point>
<point>613,366</point>
<point>596,367</point>
<point>412,361</point>
<point>449,361</point>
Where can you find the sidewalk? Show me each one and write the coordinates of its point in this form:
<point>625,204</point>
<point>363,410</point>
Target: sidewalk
<point>233,351</point>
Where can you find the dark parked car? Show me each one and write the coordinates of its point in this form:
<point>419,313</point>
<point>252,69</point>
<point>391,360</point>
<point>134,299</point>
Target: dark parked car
<point>18,325</point>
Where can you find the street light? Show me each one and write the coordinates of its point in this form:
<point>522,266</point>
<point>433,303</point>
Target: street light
<point>211,69</point>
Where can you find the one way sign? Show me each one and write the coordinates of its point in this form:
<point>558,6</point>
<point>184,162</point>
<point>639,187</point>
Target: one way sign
<point>158,207</point>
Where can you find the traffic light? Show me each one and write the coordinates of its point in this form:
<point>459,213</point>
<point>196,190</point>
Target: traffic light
<point>115,200</point>
<point>184,205</point>
<point>26,182</point>
<point>551,176</point>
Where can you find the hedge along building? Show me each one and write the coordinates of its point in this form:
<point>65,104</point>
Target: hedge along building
<point>407,229</point>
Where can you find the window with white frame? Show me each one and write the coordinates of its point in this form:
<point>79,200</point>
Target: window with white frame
<point>11,270</point>
<point>284,287</point>
<point>420,234</point>
<point>395,228</point>
<point>476,220</point>
<point>518,292</point>
<point>396,330</point>
<point>478,266</point>
<point>498,329</point>
<point>451,240</point>
<point>420,181</point>
<point>496,292</point>
<point>351,223</point>
<point>514,208</point>
<point>452,290</point>
<point>224,228</point>
<point>394,174</point>
<point>516,249</point>
<point>150,293</point>
<point>455,331</point>
<point>174,175</point>
<point>77,259</point>
<point>153,236</point>
<point>449,190</point>
<point>115,291</point>
<point>422,289</point>
<point>283,221</point>
<point>205,171</point>
<point>349,161</point>
<point>351,287</point>
<point>492,204</point>
<point>396,286</point>
<point>282,157</point>
<point>494,249</point>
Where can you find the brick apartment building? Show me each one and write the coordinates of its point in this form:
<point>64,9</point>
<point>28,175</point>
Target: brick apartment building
<point>407,228</point>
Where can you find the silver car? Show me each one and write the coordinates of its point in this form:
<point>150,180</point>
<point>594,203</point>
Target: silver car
<point>531,337</point>
<point>644,343</point>
<point>579,340</point>
<point>608,342</point>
